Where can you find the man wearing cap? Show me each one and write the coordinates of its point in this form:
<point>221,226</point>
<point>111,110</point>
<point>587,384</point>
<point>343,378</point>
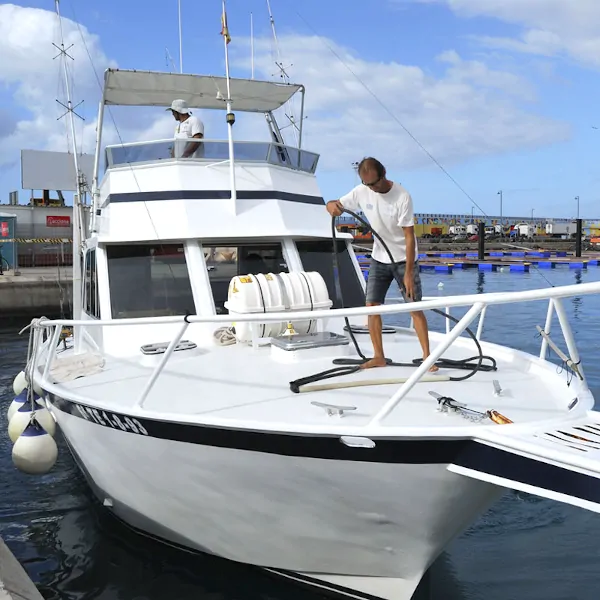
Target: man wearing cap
<point>188,126</point>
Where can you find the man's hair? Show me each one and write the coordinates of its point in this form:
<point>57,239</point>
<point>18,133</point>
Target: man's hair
<point>373,163</point>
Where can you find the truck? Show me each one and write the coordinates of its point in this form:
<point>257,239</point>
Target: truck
<point>523,230</point>
<point>457,230</point>
<point>561,230</point>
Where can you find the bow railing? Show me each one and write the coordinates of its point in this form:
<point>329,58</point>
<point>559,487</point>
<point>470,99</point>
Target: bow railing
<point>476,303</point>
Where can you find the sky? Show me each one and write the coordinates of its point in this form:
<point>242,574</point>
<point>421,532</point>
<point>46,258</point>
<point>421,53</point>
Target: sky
<point>458,98</point>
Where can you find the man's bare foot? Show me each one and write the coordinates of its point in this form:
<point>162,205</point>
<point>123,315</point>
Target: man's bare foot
<point>374,362</point>
<point>433,368</point>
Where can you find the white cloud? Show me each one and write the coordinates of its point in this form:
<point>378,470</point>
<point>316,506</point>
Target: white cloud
<point>479,74</point>
<point>34,81</point>
<point>550,27</point>
<point>469,110</point>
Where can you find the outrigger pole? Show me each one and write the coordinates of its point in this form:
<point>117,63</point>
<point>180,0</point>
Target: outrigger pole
<point>77,198</point>
<point>230,117</point>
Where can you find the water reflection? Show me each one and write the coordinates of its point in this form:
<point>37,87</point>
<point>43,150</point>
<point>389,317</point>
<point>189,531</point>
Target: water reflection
<point>577,300</point>
<point>90,554</point>
<point>480,282</point>
<point>441,582</point>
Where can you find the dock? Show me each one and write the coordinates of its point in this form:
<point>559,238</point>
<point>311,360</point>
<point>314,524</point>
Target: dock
<point>35,291</point>
<point>499,260</point>
<point>15,584</point>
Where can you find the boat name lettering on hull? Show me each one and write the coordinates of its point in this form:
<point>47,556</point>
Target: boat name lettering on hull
<point>109,419</point>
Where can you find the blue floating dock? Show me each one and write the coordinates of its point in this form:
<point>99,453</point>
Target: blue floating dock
<point>443,268</point>
<point>520,268</point>
<point>578,265</point>
<point>458,266</point>
<point>546,264</point>
<point>496,253</point>
<point>561,254</point>
<point>472,254</point>
<point>517,254</point>
<point>487,267</point>
<point>447,255</point>
<point>593,262</point>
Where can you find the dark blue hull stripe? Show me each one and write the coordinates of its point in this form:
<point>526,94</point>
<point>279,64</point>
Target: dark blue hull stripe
<point>513,467</point>
<point>214,195</point>
<point>464,453</point>
<point>330,447</point>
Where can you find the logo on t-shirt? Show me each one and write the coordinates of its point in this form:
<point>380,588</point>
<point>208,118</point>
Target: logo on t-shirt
<point>370,206</point>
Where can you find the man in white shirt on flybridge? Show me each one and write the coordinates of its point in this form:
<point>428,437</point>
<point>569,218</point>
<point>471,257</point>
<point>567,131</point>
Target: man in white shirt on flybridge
<point>188,126</point>
<point>389,210</point>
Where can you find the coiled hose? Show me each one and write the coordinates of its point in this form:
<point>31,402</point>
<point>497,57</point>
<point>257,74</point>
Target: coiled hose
<point>354,365</point>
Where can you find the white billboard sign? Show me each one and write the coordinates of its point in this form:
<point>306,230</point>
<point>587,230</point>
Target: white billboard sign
<point>46,170</point>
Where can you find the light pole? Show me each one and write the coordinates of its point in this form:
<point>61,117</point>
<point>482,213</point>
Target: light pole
<point>532,213</point>
<point>501,224</point>
<point>577,200</point>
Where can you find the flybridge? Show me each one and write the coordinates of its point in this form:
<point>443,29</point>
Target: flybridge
<point>156,88</point>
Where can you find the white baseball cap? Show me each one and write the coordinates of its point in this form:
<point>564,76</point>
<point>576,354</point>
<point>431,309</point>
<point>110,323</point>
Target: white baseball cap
<point>180,106</point>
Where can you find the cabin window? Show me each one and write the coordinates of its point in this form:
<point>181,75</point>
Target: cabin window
<point>318,256</point>
<point>226,261</point>
<point>148,280</point>
<point>90,304</point>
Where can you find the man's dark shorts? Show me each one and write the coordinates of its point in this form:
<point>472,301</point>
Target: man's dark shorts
<point>381,276</point>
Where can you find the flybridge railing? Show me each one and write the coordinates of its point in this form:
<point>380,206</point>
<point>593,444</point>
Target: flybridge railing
<point>477,303</point>
<point>211,151</point>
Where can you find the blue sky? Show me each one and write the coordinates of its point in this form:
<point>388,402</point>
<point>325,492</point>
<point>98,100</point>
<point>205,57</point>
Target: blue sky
<point>502,93</point>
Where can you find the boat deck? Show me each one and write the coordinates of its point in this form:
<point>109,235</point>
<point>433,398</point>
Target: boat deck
<point>238,384</point>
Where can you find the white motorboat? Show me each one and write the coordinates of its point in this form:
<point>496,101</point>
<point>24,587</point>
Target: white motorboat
<point>207,297</point>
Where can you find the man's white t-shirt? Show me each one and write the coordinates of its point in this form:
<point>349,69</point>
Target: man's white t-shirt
<point>188,129</point>
<point>387,214</point>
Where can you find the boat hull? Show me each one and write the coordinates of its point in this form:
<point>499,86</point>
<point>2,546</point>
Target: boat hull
<point>353,522</point>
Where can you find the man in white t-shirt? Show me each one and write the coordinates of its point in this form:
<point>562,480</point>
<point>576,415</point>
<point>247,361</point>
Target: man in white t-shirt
<point>388,208</point>
<point>188,126</point>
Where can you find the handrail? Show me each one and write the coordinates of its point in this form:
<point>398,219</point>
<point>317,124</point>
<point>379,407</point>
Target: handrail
<point>252,151</point>
<point>203,140</point>
<point>446,342</point>
<point>478,304</point>
<point>488,299</point>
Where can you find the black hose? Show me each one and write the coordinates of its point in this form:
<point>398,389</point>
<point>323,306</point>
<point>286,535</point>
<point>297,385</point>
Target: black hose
<point>463,364</point>
<point>336,266</point>
<point>448,363</point>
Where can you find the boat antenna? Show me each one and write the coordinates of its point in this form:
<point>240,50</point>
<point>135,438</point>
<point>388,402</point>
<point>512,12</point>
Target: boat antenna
<point>180,38</point>
<point>252,43</point>
<point>230,117</point>
<point>284,75</point>
<point>169,61</point>
<point>80,182</point>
